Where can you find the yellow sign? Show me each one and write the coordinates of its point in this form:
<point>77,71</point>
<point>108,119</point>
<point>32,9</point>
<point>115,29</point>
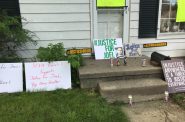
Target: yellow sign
<point>161,44</point>
<point>78,51</point>
<point>180,11</point>
<point>110,3</point>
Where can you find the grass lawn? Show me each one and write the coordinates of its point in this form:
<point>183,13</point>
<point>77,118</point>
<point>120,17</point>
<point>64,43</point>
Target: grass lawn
<point>58,106</point>
<point>179,99</point>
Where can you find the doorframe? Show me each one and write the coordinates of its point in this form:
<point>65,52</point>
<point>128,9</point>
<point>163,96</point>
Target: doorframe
<point>94,21</point>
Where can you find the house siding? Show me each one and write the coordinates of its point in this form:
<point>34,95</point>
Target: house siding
<point>176,47</point>
<point>54,21</point>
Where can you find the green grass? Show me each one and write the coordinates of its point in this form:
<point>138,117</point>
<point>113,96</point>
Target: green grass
<point>179,99</point>
<point>58,106</point>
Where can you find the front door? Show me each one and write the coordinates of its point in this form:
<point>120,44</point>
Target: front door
<point>110,23</point>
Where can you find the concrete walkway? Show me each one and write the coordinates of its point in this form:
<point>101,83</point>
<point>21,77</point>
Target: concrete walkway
<point>155,111</point>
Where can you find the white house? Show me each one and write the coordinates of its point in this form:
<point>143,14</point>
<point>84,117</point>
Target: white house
<point>77,22</point>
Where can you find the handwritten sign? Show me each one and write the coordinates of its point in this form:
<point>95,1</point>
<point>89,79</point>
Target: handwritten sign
<point>106,48</point>
<point>174,72</point>
<point>11,77</point>
<point>45,76</point>
<point>133,50</point>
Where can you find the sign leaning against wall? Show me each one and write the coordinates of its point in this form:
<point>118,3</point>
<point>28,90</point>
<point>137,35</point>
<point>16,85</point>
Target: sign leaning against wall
<point>106,48</point>
<point>174,72</point>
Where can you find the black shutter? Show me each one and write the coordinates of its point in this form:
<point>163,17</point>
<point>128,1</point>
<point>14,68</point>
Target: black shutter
<point>148,18</point>
<point>11,6</point>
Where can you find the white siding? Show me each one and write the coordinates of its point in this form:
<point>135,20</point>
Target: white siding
<point>54,21</point>
<point>176,47</point>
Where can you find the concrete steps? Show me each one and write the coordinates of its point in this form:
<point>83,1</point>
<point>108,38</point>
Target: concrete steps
<point>143,89</point>
<point>116,83</point>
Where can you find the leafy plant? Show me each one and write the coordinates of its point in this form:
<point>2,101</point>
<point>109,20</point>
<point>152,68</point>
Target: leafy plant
<point>12,36</point>
<point>56,52</point>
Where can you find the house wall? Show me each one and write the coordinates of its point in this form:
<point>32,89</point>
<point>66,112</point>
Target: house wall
<point>54,21</point>
<point>176,47</point>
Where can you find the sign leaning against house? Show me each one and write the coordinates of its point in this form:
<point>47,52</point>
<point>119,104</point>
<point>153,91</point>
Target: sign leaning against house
<point>174,72</point>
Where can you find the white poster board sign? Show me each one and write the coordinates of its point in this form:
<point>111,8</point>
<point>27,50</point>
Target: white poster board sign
<point>107,48</point>
<point>133,50</point>
<point>45,76</point>
<point>11,77</point>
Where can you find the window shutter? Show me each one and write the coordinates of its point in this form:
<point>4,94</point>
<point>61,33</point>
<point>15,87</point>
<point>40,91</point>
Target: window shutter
<point>11,6</point>
<point>148,18</point>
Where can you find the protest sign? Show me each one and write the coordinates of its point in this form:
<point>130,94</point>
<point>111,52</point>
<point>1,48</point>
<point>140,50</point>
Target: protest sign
<point>133,50</point>
<point>11,77</point>
<point>107,48</point>
<point>45,76</point>
<point>174,73</point>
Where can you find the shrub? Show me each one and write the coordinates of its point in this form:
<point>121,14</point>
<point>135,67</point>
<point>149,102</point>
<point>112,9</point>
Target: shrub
<point>12,36</point>
<point>56,52</point>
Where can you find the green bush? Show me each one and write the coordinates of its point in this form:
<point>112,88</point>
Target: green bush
<point>56,52</point>
<point>12,36</point>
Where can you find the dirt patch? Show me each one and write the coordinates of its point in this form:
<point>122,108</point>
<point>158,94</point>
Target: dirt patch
<point>155,111</point>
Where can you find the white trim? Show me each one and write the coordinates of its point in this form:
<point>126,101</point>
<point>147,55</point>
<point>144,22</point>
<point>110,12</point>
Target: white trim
<point>175,35</point>
<point>94,19</point>
<point>126,23</point>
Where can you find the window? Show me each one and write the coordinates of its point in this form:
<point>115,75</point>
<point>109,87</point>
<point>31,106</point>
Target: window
<point>148,18</point>
<point>167,19</point>
<point>10,6</point>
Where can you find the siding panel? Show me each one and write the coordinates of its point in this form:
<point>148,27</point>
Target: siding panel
<point>54,21</point>
<point>54,1</point>
<point>79,26</point>
<point>54,8</point>
<point>63,35</point>
<point>41,18</point>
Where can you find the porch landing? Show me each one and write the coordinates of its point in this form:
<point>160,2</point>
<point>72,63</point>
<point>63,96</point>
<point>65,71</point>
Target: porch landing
<point>96,71</point>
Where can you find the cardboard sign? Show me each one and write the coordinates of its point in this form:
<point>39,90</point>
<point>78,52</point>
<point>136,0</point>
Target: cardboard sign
<point>11,77</point>
<point>45,76</point>
<point>180,17</point>
<point>78,51</point>
<point>107,48</point>
<point>174,72</point>
<point>161,44</point>
<point>111,3</point>
<point>133,50</point>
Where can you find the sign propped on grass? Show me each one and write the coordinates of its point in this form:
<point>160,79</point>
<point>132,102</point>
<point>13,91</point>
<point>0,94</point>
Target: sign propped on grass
<point>11,77</point>
<point>45,76</point>
<point>174,72</point>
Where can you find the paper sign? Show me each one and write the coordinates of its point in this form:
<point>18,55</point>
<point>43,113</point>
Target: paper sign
<point>11,77</point>
<point>174,72</point>
<point>45,76</point>
<point>180,11</point>
<point>133,50</point>
<point>107,48</point>
<point>110,3</point>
